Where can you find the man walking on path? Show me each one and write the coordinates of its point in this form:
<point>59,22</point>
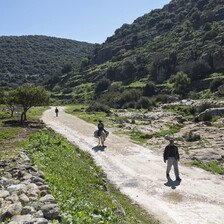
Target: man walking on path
<point>171,155</point>
<point>56,111</point>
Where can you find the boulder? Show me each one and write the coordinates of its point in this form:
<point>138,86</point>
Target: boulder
<point>11,210</point>
<point>50,211</point>
<point>21,219</point>
<point>4,194</point>
<point>28,210</point>
<point>211,111</point>
<point>221,90</point>
<point>23,198</point>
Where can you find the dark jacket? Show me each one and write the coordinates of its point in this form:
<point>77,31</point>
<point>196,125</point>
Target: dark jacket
<point>101,126</point>
<point>171,151</point>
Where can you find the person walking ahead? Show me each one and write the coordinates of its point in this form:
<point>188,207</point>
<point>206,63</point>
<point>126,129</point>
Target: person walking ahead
<point>171,155</point>
<point>56,111</point>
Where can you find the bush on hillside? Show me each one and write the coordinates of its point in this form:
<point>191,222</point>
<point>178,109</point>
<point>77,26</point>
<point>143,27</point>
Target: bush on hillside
<point>203,107</point>
<point>191,137</point>
<point>144,102</point>
<point>149,89</point>
<point>102,85</point>
<point>215,84</point>
<point>98,107</point>
<point>181,83</point>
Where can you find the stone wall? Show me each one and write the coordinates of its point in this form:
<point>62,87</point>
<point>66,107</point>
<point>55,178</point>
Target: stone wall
<point>25,197</point>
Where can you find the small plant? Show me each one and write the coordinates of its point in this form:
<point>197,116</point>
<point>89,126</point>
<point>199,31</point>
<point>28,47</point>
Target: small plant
<point>191,137</point>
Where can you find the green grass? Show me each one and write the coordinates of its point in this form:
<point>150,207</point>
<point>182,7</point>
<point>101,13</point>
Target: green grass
<point>75,181</point>
<point>212,166</point>
<point>88,117</point>
<point>172,130</point>
<point>34,113</point>
<point>8,133</point>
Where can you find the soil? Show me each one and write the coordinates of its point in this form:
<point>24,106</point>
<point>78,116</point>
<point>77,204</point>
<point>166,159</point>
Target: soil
<point>139,172</point>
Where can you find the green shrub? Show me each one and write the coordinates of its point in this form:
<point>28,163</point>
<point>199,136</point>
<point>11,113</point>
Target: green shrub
<point>203,107</point>
<point>98,107</point>
<point>215,84</point>
<point>144,102</point>
<point>191,137</point>
<point>181,82</point>
<point>102,85</point>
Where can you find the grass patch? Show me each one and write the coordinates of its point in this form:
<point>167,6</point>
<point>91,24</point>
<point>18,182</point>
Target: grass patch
<point>212,166</point>
<point>76,182</point>
<point>138,136</point>
<point>34,113</point>
<point>8,133</point>
<point>172,130</point>
<point>79,111</point>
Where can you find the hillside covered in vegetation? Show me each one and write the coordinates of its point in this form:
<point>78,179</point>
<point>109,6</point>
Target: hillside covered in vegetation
<point>35,58</point>
<point>173,50</point>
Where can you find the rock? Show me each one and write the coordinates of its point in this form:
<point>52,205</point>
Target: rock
<point>39,214</point>
<point>211,112</point>
<point>16,187</point>
<point>4,194</point>
<point>221,90</point>
<point>23,198</point>
<point>45,192</point>
<point>13,198</point>
<point>25,219</point>
<point>11,210</point>
<point>44,187</point>
<point>28,210</point>
<point>50,211</point>
<point>48,199</point>
<point>40,221</point>
<point>41,175</point>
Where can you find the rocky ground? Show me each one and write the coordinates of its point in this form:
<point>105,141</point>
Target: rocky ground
<point>24,195</point>
<point>210,147</point>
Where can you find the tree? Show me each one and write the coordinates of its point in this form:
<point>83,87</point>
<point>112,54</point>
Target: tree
<point>181,82</point>
<point>149,89</point>
<point>2,94</point>
<point>10,100</point>
<point>66,68</point>
<point>29,95</point>
<point>102,85</point>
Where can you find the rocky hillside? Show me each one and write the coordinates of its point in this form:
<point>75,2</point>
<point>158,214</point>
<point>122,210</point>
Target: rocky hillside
<point>34,58</point>
<point>184,36</point>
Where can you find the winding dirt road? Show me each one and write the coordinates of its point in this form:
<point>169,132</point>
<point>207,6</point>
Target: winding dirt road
<point>140,174</point>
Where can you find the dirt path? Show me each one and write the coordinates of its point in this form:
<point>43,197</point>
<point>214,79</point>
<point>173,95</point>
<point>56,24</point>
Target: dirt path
<point>140,174</point>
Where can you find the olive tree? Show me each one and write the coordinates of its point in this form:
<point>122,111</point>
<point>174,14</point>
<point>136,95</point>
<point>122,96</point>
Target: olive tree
<point>10,100</point>
<point>29,95</point>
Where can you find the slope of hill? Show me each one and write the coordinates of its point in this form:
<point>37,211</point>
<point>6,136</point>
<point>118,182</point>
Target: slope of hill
<point>33,58</point>
<point>185,35</point>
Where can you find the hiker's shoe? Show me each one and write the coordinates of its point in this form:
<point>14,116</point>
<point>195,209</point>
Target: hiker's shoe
<point>167,175</point>
<point>178,179</point>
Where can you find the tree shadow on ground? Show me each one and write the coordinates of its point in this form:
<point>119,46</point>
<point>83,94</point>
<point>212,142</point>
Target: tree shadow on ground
<point>171,183</point>
<point>30,124</point>
<point>98,148</point>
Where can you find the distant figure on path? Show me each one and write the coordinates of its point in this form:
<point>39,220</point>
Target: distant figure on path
<point>100,127</point>
<point>171,155</point>
<point>56,111</point>
<point>102,133</point>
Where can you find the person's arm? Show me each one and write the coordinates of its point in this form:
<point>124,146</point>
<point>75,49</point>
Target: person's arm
<point>178,156</point>
<point>165,154</point>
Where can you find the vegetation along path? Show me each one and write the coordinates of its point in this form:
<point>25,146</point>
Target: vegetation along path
<point>140,174</point>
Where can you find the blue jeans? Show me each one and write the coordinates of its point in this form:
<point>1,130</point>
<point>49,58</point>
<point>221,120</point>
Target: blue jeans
<point>172,161</point>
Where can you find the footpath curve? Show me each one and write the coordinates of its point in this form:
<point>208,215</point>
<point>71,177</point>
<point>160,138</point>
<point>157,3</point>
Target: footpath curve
<point>140,174</point>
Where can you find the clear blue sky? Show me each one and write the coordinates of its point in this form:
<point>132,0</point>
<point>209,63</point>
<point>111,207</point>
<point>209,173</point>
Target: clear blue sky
<point>83,20</point>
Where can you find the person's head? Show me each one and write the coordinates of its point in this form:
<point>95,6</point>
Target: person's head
<point>171,142</point>
<point>100,121</point>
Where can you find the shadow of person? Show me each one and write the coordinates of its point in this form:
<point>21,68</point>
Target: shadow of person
<point>98,148</point>
<point>171,183</point>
